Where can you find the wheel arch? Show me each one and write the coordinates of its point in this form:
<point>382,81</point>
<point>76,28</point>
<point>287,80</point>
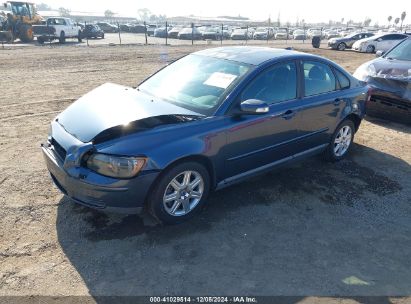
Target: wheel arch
<point>203,160</point>
<point>355,119</point>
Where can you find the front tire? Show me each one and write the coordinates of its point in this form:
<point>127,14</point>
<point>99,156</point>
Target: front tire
<point>370,49</point>
<point>341,46</point>
<point>341,141</point>
<point>180,193</point>
<point>26,33</point>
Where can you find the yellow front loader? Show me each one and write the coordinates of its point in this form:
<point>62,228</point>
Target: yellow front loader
<point>17,21</point>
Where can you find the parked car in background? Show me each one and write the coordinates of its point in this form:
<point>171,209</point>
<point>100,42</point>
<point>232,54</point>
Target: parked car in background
<point>204,122</point>
<point>92,31</point>
<point>55,28</point>
<point>390,79</point>
<point>263,33</point>
<point>282,33</point>
<point>314,33</point>
<point>332,34</point>
<point>211,33</point>
<point>125,27</point>
<point>299,35</point>
<point>189,33</point>
<point>160,32</point>
<point>173,33</point>
<point>347,42</point>
<point>150,29</point>
<point>240,34</point>
<point>107,27</point>
<point>138,28</point>
<point>382,42</point>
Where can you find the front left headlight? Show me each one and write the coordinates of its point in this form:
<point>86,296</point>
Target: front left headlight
<point>115,166</point>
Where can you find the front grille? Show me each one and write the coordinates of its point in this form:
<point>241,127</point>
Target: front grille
<point>391,102</point>
<point>58,149</point>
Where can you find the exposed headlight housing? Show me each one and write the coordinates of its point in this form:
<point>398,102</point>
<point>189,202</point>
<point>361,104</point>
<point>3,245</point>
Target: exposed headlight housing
<point>364,71</point>
<point>115,166</point>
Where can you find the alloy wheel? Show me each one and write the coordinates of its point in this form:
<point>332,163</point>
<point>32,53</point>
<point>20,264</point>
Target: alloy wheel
<point>342,141</point>
<point>183,193</point>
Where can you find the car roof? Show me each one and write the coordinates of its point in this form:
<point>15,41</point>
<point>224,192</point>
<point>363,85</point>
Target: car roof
<point>249,54</point>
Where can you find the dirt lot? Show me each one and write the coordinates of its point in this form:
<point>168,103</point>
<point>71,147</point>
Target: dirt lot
<point>308,229</point>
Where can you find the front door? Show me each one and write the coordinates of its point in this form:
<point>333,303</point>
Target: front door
<point>255,140</point>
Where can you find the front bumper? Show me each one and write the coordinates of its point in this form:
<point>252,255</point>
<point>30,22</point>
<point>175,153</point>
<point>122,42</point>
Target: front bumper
<point>90,189</point>
<point>390,104</point>
<point>332,45</point>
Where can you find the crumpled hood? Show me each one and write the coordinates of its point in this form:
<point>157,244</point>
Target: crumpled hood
<point>111,106</point>
<point>397,69</point>
<point>393,76</point>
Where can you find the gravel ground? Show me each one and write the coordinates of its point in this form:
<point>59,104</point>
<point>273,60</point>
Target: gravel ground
<point>311,228</point>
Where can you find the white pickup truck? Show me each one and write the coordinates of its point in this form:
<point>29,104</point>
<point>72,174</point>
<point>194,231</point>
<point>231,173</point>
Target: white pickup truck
<point>57,28</point>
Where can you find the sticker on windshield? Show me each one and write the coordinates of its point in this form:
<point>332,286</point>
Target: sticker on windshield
<point>220,80</point>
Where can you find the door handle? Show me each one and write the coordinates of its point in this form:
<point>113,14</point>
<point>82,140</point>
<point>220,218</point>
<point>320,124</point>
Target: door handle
<point>288,114</point>
<point>337,101</point>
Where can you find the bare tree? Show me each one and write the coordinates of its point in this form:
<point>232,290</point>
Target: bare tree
<point>43,7</point>
<point>367,21</point>
<point>389,20</point>
<point>403,15</point>
<point>64,12</point>
<point>144,13</point>
<point>109,14</point>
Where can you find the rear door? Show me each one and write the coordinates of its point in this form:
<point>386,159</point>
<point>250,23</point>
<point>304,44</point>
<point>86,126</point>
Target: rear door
<point>321,104</point>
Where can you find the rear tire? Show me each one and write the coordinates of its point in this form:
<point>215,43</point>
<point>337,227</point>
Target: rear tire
<point>62,38</point>
<point>341,141</point>
<point>179,182</point>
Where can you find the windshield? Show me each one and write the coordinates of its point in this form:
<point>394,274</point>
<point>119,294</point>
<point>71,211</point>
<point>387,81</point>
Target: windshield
<point>401,51</point>
<point>197,83</point>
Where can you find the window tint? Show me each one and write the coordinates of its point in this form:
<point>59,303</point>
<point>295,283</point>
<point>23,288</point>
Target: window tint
<point>389,37</point>
<point>318,78</point>
<point>342,79</point>
<point>397,36</point>
<point>274,85</point>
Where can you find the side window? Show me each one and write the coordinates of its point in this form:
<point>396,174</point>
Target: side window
<point>388,37</point>
<point>274,85</point>
<point>342,79</point>
<point>318,78</point>
<point>399,37</point>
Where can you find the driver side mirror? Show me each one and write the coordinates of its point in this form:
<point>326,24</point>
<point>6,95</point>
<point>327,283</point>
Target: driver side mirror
<point>379,53</point>
<point>254,106</point>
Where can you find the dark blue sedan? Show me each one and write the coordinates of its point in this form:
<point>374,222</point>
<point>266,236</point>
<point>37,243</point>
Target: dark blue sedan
<point>204,122</point>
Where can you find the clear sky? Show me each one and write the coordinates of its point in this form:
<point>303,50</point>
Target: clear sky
<point>290,10</point>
